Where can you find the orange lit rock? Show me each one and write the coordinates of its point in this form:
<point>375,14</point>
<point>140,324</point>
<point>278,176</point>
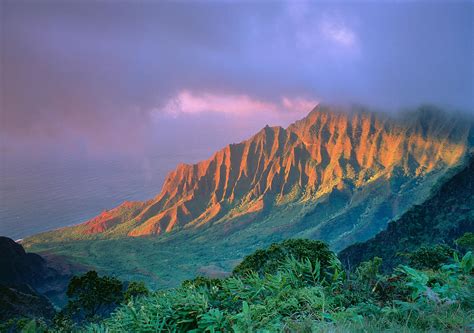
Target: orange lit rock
<point>327,150</point>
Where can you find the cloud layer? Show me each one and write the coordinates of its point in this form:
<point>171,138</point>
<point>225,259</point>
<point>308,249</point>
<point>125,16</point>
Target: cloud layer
<point>187,102</point>
<point>109,75</point>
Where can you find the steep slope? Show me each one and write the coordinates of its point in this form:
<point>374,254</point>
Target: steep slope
<point>18,267</point>
<point>23,302</point>
<point>444,217</point>
<point>30,273</point>
<point>338,176</point>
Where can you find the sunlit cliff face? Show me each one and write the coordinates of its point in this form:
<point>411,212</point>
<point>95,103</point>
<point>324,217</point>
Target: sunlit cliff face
<point>329,150</point>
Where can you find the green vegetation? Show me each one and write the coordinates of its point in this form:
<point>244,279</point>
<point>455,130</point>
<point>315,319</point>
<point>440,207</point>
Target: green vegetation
<point>91,296</point>
<point>441,219</point>
<point>430,257</point>
<point>270,260</point>
<point>149,258</point>
<point>466,241</point>
<point>301,296</point>
<point>24,325</point>
<point>294,286</point>
<point>135,289</point>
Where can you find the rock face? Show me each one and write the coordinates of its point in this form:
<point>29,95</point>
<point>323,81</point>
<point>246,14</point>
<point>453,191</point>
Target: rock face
<point>339,176</point>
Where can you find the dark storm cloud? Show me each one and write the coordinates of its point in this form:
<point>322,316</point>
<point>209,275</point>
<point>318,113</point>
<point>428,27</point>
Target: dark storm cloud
<point>106,73</point>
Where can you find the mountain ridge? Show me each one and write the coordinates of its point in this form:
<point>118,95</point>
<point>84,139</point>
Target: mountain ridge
<point>329,152</point>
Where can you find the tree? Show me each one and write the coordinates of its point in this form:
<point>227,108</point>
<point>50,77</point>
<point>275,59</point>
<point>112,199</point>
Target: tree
<point>466,241</point>
<point>368,271</point>
<point>92,296</point>
<point>135,289</point>
<point>271,259</point>
<point>430,257</point>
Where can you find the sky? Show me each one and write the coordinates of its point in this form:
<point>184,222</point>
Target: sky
<point>127,77</point>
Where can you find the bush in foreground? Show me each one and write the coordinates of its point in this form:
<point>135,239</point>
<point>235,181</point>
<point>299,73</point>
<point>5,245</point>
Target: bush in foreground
<point>303,295</point>
<point>268,261</point>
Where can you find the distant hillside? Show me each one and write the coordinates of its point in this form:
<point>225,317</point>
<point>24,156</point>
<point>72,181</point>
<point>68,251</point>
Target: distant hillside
<point>335,175</point>
<point>18,267</point>
<point>447,215</point>
<point>23,302</point>
<point>21,276</point>
<point>25,273</point>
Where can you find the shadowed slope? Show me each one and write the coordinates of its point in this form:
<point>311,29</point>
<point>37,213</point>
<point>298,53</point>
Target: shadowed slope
<point>443,218</point>
<point>24,276</point>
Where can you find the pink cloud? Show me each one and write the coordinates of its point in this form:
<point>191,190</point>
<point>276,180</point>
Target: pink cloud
<point>298,104</point>
<point>187,102</point>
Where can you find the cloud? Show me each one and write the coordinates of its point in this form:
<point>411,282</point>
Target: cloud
<point>298,104</point>
<point>93,70</point>
<point>338,32</point>
<point>318,28</point>
<point>193,103</point>
<point>189,102</point>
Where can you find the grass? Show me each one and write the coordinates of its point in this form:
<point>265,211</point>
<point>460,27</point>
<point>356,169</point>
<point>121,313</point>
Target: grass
<point>160,263</point>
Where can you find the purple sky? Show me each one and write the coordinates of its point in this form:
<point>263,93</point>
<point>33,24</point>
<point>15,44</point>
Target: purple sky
<point>132,76</point>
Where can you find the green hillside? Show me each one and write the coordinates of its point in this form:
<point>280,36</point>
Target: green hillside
<point>334,176</point>
<point>447,215</point>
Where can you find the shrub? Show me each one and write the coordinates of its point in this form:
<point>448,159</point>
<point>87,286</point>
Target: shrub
<point>301,295</point>
<point>24,325</point>
<point>269,261</point>
<point>430,257</point>
<point>368,271</point>
<point>91,296</point>
<point>201,281</point>
<point>296,298</point>
<point>466,241</point>
<point>135,289</point>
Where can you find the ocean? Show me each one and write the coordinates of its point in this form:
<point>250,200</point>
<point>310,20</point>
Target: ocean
<point>43,193</point>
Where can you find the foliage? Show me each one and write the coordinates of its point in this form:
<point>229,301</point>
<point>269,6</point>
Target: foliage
<point>368,271</point>
<point>430,257</point>
<point>201,281</point>
<point>91,299</point>
<point>63,322</point>
<point>305,296</point>
<point>466,241</point>
<point>302,295</point>
<point>270,260</point>
<point>24,325</point>
<point>447,215</point>
<point>91,295</point>
<point>135,289</point>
